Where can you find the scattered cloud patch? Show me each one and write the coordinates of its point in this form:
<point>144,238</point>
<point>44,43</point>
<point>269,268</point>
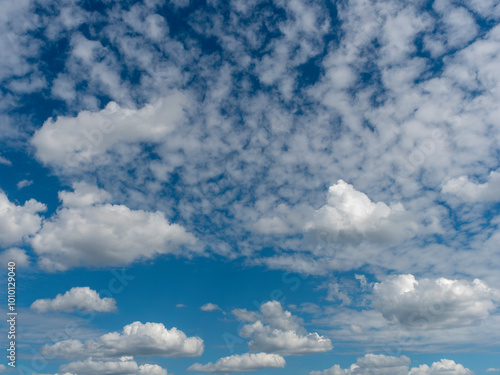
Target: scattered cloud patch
<point>380,364</point>
<point>24,183</point>
<point>210,307</point>
<point>471,191</point>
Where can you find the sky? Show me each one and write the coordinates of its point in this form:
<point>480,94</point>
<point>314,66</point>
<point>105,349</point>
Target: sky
<point>274,187</point>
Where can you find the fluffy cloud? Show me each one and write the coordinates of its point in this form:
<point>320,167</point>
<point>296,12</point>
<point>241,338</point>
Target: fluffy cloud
<point>241,363</point>
<point>76,298</point>
<point>351,217</point>
<point>210,307</point>
<point>87,232</point>
<point>434,303</point>
<point>125,366</point>
<point>444,366</point>
<point>17,255</point>
<point>275,330</point>
<point>387,365</point>
<point>136,339</point>
<point>474,192</point>
<point>18,222</point>
<point>371,364</point>
<point>78,141</point>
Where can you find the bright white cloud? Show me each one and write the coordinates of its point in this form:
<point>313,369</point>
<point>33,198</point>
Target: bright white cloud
<point>386,365</point>
<point>348,217</point>
<point>136,339</point>
<point>18,222</point>
<point>119,235</point>
<point>74,142</point>
<point>17,255</point>
<point>444,366</point>
<point>278,331</point>
<point>474,192</point>
<point>125,366</point>
<point>77,298</point>
<point>351,217</point>
<point>241,363</point>
<point>210,307</point>
<point>434,303</point>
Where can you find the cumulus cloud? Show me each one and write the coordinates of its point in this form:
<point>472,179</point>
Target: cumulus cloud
<point>241,363</point>
<point>387,365</point>
<point>348,217</point>
<point>18,222</point>
<point>17,255</point>
<point>125,366</point>
<point>87,232</point>
<point>136,339</point>
<point>77,298</point>
<point>377,364</point>
<point>78,141</point>
<point>278,331</point>
<point>471,191</point>
<point>444,366</point>
<point>210,307</point>
<point>434,303</point>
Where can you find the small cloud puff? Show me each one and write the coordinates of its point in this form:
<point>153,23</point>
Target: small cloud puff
<point>78,298</point>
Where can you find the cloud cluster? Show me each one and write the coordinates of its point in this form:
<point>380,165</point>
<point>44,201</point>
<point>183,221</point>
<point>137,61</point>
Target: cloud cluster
<point>136,339</point>
<point>77,298</point>
<point>18,222</point>
<point>434,303</point>
<point>85,231</point>
<point>275,330</point>
<point>125,366</point>
<point>379,364</point>
<point>241,363</point>
<point>474,192</point>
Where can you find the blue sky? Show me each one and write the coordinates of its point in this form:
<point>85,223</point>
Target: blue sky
<point>289,187</point>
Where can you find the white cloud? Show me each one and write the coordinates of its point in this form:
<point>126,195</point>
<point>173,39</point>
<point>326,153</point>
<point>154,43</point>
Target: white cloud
<point>125,366</point>
<point>23,183</point>
<point>278,331</point>
<point>18,222</point>
<point>4,161</point>
<point>241,363</point>
<point>77,298</point>
<point>387,365</point>
<point>136,339</point>
<point>434,303</point>
<point>119,235</point>
<point>84,140</point>
<point>210,307</point>
<point>493,369</point>
<point>444,366</point>
<point>474,192</point>
<point>17,255</point>
<point>350,217</point>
